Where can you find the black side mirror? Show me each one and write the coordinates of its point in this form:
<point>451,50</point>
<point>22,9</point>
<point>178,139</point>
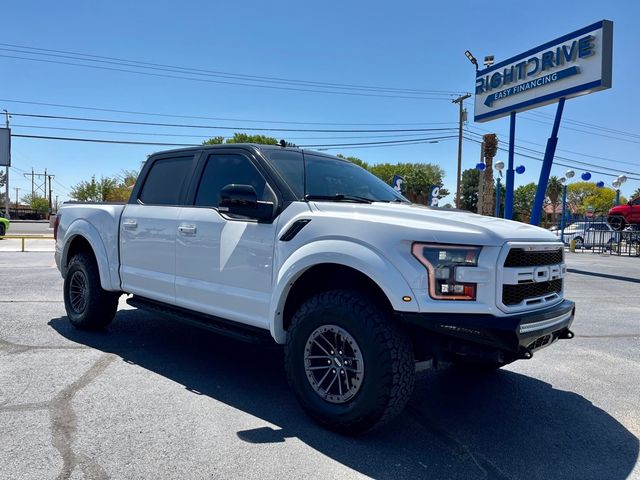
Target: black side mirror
<point>243,200</point>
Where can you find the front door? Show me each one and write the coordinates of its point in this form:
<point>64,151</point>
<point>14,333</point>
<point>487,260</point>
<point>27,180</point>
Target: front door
<point>224,265</point>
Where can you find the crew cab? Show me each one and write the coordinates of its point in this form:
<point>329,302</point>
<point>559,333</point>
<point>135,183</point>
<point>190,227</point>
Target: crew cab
<point>621,216</point>
<point>267,243</point>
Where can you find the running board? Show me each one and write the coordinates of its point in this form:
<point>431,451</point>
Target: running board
<point>245,333</point>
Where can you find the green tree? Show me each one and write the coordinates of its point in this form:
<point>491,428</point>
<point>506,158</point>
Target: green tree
<point>418,178</point>
<point>636,194</point>
<point>523,198</point>
<point>355,160</point>
<point>94,190</point>
<point>246,138</point>
<point>581,195</point>
<point>37,203</point>
<point>469,189</point>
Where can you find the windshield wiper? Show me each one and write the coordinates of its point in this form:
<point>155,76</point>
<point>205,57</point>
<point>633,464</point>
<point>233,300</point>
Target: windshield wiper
<point>339,197</point>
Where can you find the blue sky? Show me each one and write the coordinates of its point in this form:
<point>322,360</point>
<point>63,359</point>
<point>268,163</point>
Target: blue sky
<point>402,45</point>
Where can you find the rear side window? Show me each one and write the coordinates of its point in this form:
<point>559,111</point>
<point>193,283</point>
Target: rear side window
<point>165,180</point>
<point>224,169</point>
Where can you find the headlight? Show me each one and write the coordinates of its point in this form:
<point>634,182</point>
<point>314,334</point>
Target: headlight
<point>441,262</point>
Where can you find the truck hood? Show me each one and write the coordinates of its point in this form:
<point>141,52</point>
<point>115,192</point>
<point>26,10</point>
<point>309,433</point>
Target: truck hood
<point>438,225</point>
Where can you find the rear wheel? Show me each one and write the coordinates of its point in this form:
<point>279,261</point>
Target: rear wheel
<point>579,242</point>
<point>88,305</point>
<point>350,367</point>
<point>2,230</point>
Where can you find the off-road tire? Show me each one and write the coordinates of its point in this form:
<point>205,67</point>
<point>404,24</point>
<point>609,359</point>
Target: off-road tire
<point>2,230</point>
<point>389,369</point>
<point>98,307</point>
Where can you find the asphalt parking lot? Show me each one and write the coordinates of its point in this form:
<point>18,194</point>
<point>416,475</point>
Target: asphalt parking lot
<point>150,398</point>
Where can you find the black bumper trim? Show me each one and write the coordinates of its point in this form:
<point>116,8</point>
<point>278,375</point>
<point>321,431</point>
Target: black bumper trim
<point>502,333</point>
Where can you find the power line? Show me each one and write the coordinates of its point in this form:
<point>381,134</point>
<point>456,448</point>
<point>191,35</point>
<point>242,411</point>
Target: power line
<point>564,127</point>
<point>633,164</point>
<point>201,117</point>
<point>222,82</point>
<point>586,124</point>
<point>90,130</point>
<point>557,163</point>
<point>225,127</point>
<point>128,142</point>
<point>141,64</point>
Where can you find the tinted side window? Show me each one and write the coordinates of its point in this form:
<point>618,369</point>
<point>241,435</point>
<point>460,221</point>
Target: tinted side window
<point>165,180</point>
<point>290,165</point>
<point>224,169</point>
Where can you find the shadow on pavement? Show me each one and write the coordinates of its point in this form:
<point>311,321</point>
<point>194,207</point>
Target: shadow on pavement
<point>503,425</point>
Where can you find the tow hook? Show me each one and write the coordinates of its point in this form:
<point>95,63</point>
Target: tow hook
<point>525,353</point>
<point>566,334</point>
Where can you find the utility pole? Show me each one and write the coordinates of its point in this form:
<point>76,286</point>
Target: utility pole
<point>50,191</point>
<point>460,100</point>
<point>6,175</point>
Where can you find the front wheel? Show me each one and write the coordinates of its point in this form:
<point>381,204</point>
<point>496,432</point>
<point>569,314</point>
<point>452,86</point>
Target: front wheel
<point>579,242</point>
<point>2,230</point>
<point>88,305</point>
<point>617,222</point>
<point>349,365</point>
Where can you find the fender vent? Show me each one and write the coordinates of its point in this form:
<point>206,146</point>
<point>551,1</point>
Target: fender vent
<point>294,229</point>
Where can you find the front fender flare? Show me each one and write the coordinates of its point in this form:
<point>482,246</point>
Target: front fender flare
<point>341,252</point>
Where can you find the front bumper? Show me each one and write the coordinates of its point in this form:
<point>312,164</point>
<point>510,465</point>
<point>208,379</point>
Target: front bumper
<point>517,336</point>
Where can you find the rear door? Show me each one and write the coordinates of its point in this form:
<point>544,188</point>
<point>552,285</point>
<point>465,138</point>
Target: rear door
<point>148,228</point>
<point>224,264</point>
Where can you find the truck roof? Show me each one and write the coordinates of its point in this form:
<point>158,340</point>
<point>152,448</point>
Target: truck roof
<point>256,146</point>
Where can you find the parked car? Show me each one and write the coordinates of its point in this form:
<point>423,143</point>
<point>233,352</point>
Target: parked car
<point>589,234</point>
<point>621,216</point>
<point>265,243</point>
<point>4,225</point>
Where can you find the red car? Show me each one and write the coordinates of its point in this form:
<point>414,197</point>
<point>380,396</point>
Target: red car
<point>622,215</point>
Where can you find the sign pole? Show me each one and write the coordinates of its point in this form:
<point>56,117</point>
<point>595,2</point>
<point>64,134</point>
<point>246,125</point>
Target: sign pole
<point>549,153</point>
<point>508,194</point>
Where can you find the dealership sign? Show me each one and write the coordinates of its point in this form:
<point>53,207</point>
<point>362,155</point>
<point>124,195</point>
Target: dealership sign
<point>5,147</point>
<point>572,65</point>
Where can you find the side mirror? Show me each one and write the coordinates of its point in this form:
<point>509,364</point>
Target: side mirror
<point>243,200</point>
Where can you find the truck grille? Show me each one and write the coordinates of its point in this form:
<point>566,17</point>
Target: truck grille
<point>531,277</point>
<point>519,257</point>
<point>516,294</point>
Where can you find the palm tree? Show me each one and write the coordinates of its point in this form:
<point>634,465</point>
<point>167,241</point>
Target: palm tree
<point>636,194</point>
<point>554,188</point>
<point>490,149</point>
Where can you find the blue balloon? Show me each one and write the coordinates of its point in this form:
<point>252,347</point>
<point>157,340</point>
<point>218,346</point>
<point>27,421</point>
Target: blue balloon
<point>480,166</point>
<point>520,169</point>
<point>585,176</point>
<point>600,184</point>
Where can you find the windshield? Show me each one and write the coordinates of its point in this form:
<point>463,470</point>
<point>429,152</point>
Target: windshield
<point>330,178</point>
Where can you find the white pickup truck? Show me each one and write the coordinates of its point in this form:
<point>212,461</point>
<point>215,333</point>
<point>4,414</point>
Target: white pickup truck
<point>315,253</point>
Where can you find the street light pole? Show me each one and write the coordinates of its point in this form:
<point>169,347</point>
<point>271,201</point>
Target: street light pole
<point>460,100</point>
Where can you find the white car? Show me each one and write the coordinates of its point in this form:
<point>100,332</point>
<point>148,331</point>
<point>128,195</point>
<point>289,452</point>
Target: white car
<point>589,234</point>
<point>315,253</point>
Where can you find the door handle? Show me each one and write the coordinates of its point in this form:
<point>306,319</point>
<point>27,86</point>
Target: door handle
<point>130,224</point>
<point>187,229</point>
